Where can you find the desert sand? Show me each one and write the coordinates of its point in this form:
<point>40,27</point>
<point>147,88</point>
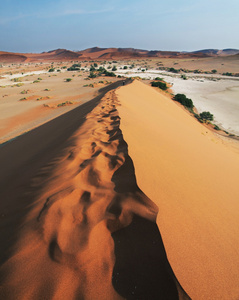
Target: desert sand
<point>86,230</point>
<point>39,96</point>
<point>192,176</point>
<point>124,197</point>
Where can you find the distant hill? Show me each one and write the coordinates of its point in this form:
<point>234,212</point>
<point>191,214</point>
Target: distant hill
<point>109,54</point>
<point>216,52</point>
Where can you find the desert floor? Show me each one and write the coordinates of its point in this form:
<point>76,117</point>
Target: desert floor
<point>37,96</point>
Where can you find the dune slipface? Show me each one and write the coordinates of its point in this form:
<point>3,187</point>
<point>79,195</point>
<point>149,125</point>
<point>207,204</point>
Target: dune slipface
<point>192,175</point>
<point>91,232</point>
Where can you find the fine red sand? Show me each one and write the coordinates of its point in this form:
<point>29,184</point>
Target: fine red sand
<point>192,175</point>
<point>90,232</point>
<point>82,228</point>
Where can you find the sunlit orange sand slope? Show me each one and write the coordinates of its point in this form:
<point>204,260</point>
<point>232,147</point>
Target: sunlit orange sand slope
<point>193,177</point>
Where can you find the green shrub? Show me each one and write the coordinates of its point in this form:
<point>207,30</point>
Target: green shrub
<point>36,81</point>
<point>114,68</point>
<point>16,79</point>
<point>92,75</point>
<point>68,79</point>
<point>125,68</point>
<point>214,71</point>
<point>159,84</point>
<point>51,70</point>
<point>173,70</point>
<point>206,115</point>
<point>74,67</point>
<point>181,98</point>
<point>24,92</point>
<point>184,77</point>
<point>92,68</point>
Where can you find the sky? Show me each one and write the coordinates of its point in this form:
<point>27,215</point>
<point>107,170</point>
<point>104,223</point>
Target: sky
<point>175,25</point>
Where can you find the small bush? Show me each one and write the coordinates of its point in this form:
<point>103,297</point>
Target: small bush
<point>214,71</point>
<point>173,70</point>
<point>159,84</point>
<point>110,74</point>
<point>19,84</point>
<point>36,81</point>
<point>74,67</point>
<point>181,98</point>
<point>16,79</point>
<point>92,75</point>
<point>125,68</point>
<point>51,70</point>
<point>206,115</point>
<point>24,92</point>
<point>114,68</point>
<point>68,79</point>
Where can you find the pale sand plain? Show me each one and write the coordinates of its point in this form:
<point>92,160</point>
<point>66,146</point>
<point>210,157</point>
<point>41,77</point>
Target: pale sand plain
<point>192,176</point>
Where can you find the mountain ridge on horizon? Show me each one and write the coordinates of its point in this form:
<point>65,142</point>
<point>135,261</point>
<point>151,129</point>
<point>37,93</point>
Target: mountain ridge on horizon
<point>99,53</point>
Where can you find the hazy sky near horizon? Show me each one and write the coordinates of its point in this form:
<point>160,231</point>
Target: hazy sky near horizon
<point>36,26</point>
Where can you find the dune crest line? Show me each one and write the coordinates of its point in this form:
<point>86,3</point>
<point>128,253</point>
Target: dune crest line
<point>86,235</point>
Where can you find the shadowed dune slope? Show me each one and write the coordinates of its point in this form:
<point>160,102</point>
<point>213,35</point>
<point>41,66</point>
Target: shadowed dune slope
<point>192,175</point>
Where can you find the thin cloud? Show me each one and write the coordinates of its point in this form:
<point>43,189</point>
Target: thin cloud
<point>55,14</point>
<point>85,12</point>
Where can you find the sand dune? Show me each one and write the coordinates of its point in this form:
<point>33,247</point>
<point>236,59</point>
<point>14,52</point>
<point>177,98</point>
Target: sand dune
<point>89,217</point>
<point>192,175</point>
<point>90,232</point>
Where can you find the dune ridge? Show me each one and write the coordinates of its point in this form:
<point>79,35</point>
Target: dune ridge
<point>70,242</point>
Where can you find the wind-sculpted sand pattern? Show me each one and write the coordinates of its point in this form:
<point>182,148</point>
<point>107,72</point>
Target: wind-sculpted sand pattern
<point>92,232</point>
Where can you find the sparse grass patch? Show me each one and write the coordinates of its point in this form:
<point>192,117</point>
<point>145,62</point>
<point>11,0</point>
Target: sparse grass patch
<point>64,103</point>
<point>24,92</point>
<point>16,79</point>
<point>19,84</point>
